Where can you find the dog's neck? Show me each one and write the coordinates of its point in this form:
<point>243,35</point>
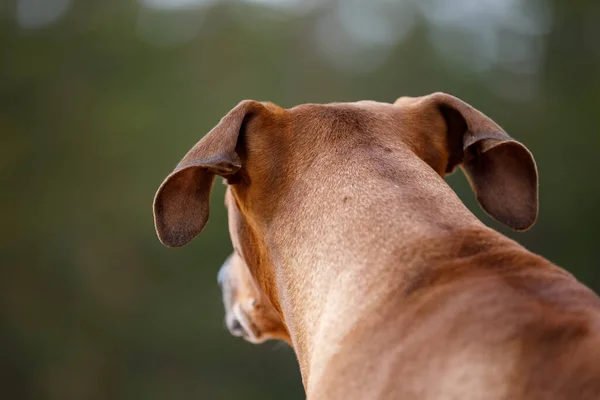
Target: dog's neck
<point>335,265</point>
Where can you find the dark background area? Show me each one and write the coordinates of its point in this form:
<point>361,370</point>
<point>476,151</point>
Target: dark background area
<point>100,99</point>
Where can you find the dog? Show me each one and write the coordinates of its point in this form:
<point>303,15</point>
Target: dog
<point>383,282</point>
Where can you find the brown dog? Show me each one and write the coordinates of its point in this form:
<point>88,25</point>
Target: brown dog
<point>388,286</point>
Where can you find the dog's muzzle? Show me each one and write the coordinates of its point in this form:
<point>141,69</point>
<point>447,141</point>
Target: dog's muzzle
<point>232,322</point>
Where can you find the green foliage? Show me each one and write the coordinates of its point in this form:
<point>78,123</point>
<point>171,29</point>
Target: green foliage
<point>93,117</point>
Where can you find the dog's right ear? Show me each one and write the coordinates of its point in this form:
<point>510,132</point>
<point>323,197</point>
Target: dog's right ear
<point>181,204</point>
<point>501,171</point>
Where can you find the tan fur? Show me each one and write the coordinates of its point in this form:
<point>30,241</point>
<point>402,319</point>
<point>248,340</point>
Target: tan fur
<point>388,286</point>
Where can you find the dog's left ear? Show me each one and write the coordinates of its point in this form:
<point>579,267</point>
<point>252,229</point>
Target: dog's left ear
<point>501,171</point>
<point>181,204</point>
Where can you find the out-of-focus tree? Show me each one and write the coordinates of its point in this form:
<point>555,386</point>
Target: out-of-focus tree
<point>99,100</point>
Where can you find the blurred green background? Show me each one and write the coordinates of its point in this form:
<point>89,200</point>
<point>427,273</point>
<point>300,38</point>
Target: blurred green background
<point>100,99</point>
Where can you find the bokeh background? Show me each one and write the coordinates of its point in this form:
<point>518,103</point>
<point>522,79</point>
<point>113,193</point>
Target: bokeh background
<point>100,99</point>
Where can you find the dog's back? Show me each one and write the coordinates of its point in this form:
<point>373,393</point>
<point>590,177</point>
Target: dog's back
<point>494,322</point>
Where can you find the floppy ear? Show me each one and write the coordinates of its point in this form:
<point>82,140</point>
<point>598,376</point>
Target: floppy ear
<point>181,204</point>
<point>501,171</point>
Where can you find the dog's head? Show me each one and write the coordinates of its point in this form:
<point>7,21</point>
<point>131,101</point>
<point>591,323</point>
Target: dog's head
<point>248,313</point>
<point>282,167</point>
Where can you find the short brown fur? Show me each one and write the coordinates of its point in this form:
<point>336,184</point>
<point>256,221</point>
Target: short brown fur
<point>385,283</point>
